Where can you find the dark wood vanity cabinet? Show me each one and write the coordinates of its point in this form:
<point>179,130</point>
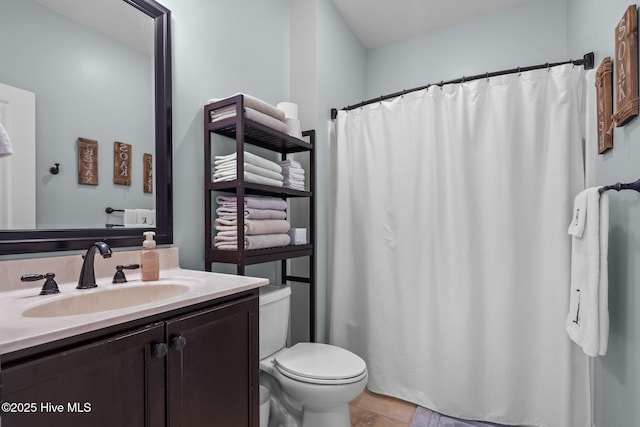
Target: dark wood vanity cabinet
<point>111,382</point>
<point>194,369</point>
<point>213,379</point>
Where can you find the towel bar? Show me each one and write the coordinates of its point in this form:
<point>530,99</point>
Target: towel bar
<point>630,186</point>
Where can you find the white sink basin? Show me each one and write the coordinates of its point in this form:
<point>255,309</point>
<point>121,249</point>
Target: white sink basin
<point>104,299</point>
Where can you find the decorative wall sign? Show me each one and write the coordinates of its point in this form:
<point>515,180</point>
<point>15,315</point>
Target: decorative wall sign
<point>121,163</point>
<point>148,173</point>
<point>604,97</point>
<point>626,67</point>
<point>87,161</point>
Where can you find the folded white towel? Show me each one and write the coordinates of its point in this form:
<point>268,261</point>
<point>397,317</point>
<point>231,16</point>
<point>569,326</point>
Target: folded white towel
<point>227,169</point>
<point>130,217</point>
<point>576,227</point>
<point>249,158</point>
<point>254,227</point>
<point>231,213</point>
<point>254,202</point>
<point>251,177</point>
<point>299,187</point>
<point>144,217</point>
<point>294,174</point>
<point>290,162</point>
<point>588,319</point>
<point>253,242</point>
<point>6,149</point>
<point>257,104</point>
<point>250,114</point>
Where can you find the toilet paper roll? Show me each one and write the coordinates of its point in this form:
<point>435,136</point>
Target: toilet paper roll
<point>290,109</point>
<point>294,127</point>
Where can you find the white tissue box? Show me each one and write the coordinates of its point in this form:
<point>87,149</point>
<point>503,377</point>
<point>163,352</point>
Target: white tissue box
<point>298,236</point>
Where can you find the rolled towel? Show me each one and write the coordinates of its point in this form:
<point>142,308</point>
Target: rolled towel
<point>249,158</point>
<point>130,217</point>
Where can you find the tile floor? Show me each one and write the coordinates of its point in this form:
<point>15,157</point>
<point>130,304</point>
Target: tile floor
<point>376,410</point>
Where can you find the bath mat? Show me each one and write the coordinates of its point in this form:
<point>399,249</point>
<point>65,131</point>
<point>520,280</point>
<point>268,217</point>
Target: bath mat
<point>427,418</point>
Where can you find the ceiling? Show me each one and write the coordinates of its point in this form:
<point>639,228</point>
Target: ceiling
<point>115,18</point>
<point>380,22</point>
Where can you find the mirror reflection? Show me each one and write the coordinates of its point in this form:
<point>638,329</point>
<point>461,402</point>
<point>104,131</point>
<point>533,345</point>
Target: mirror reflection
<point>76,70</point>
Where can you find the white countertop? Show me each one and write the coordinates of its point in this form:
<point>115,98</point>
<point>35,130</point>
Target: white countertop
<point>19,332</point>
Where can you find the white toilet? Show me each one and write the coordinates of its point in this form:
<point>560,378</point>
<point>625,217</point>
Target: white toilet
<point>312,382</point>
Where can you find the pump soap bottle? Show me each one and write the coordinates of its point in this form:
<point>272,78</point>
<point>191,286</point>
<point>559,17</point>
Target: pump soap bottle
<point>149,260</point>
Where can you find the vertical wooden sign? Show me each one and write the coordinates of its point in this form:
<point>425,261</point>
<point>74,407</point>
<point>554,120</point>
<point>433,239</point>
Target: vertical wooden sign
<point>121,163</point>
<point>148,173</point>
<point>604,98</point>
<point>626,66</point>
<point>87,161</point>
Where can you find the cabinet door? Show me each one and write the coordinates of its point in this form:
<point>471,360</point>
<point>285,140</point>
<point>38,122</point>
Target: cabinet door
<point>113,382</point>
<point>213,378</point>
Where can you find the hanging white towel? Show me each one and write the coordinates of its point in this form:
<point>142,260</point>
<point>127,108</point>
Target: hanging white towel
<point>6,149</point>
<point>588,319</point>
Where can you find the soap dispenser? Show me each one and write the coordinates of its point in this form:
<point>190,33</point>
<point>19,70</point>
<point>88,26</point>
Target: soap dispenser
<point>149,260</point>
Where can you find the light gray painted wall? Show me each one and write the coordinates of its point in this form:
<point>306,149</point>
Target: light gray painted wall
<point>531,32</point>
<point>86,85</point>
<point>341,66</point>
<point>328,68</point>
<point>591,25</point>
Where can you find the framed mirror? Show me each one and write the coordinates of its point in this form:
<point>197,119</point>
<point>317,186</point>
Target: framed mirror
<point>95,98</point>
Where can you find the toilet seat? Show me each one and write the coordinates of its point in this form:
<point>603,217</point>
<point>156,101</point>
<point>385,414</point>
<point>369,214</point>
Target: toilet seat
<point>317,363</point>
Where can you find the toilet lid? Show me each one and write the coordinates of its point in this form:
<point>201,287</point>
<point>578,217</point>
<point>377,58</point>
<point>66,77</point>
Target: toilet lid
<point>315,361</point>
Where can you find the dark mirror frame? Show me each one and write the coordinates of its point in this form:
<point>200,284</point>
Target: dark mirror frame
<point>30,241</point>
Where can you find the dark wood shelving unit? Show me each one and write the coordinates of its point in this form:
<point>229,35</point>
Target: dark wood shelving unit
<point>246,131</point>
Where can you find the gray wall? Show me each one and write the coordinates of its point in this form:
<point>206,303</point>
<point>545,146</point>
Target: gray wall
<point>86,85</point>
<point>219,48</point>
<point>591,25</point>
<point>531,32</point>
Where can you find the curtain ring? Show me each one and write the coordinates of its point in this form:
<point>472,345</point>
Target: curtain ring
<point>519,73</point>
<point>487,75</point>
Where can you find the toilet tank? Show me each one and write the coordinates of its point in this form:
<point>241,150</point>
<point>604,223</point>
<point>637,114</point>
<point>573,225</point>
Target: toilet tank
<point>274,318</point>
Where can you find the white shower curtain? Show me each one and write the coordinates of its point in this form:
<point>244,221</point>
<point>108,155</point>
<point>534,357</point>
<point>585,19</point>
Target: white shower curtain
<point>450,258</point>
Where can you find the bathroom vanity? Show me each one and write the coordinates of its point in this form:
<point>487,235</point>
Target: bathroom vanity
<point>188,357</point>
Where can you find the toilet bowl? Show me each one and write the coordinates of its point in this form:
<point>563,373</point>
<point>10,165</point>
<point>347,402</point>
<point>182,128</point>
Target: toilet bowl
<point>314,382</point>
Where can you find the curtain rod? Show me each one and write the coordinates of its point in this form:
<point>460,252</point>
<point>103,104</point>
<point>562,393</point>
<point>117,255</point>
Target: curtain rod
<point>587,61</point>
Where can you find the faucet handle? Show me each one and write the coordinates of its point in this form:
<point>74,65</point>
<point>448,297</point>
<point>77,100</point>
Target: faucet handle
<point>50,286</point>
<point>119,277</point>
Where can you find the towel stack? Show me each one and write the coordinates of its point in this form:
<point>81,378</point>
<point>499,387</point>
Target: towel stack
<point>293,174</point>
<point>265,225</point>
<point>256,169</point>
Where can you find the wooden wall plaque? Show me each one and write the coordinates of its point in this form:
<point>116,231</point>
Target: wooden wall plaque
<point>626,67</point>
<point>604,98</point>
<point>121,163</point>
<point>148,173</point>
<point>87,161</point>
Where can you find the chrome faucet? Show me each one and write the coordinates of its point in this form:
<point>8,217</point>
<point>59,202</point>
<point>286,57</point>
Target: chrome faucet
<point>87,274</point>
